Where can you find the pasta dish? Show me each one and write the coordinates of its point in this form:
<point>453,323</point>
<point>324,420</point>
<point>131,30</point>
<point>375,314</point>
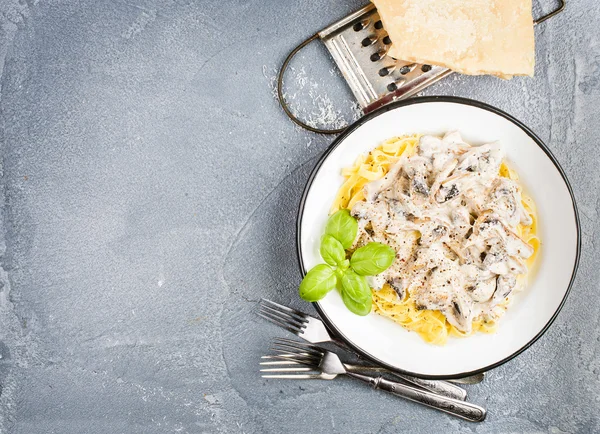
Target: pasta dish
<point>462,229</point>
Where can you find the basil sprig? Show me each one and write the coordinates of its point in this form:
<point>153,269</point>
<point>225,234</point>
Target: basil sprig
<point>348,275</point>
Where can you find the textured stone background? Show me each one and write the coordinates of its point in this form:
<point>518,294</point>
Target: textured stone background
<point>149,187</point>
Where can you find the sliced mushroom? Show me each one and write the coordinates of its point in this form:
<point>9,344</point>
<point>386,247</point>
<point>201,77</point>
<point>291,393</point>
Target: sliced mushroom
<point>452,187</point>
<point>433,232</point>
<point>505,200</point>
<point>397,285</point>
<point>504,286</point>
<point>460,312</point>
<point>483,290</point>
<point>362,210</point>
<point>416,169</point>
<point>445,171</point>
<point>432,300</point>
<point>482,159</point>
<point>461,220</point>
<point>447,192</point>
<point>496,259</point>
<point>488,225</point>
<point>373,188</point>
<point>418,186</point>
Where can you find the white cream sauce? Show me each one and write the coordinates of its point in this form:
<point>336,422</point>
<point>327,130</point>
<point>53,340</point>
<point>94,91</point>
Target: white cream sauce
<point>452,221</point>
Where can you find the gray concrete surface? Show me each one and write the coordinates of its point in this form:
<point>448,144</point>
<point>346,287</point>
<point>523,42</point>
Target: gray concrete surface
<point>149,189</point>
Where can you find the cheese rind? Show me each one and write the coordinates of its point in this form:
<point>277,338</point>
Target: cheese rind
<point>468,36</point>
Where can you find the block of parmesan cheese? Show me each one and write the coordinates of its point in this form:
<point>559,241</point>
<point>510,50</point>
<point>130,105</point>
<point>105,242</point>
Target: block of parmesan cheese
<point>469,36</point>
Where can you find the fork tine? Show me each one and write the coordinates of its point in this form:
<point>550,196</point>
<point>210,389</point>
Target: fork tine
<point>300,360</point>
<point>281,324</point>
<point>272,357</point>
<point>281,317</point>
<point>296,369</point>
<point>302,346</point>
<point>284,316</point>
<point>278,361</point>
<point>286,359</point>
<point>266,357</point>
<point>294,376</point>
<point>300,315</point>
<point>286,349</point>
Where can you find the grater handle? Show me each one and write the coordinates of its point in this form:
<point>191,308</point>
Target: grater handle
<point>556,11</point>
<point>281,98</point>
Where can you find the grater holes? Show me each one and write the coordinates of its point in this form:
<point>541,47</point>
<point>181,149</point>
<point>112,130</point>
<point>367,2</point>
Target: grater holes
<point>368,41</point>
<point>386,70</point>
<point>375,57</point>
<point>378,25</point>
<point>407,68</point>
<point>393,86</point>
<point>387,40</point>
<point>426,68</point>
<point>360,25</point>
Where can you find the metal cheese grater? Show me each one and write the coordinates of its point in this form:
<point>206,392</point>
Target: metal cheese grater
<point>359,45</point>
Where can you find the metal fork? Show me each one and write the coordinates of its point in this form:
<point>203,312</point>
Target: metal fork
<point>309,361</point>
<point>313,330</point>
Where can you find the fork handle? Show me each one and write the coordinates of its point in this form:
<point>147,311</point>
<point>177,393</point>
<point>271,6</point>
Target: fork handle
<point>465,410</point>
<point>440,387</point>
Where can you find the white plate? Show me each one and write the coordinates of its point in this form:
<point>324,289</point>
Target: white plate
<point>532,311</point>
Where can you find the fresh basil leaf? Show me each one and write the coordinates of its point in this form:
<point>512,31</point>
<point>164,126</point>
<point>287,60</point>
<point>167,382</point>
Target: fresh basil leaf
<point>332,251</point>
<point>356,287</point>
<point>317,283</point>
<point>362,308</point>
<point>343,227</point>
<point>344,265</point>
<point>372,259</point>
<point>356,293</point>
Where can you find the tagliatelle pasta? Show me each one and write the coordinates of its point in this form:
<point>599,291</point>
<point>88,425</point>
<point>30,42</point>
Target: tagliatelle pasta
<point>432,325</point>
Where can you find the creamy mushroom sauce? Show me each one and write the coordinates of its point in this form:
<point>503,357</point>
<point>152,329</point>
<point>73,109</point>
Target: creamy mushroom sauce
<point>453,223</point>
